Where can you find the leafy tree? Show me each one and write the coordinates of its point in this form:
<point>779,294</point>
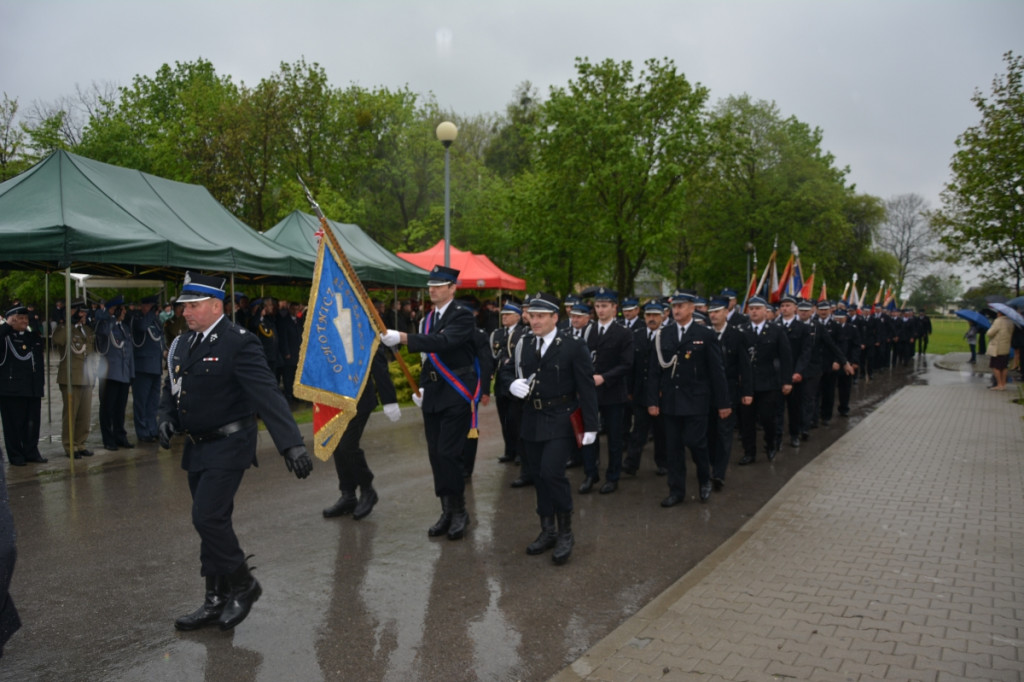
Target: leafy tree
<point>511,150</point>
<point>12,140</point>
<point>935,292</point>
<point>907,235</point>
<point>977,297</point>
<point>982,221</point>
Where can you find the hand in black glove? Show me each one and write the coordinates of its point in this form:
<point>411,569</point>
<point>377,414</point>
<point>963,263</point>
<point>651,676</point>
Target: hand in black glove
<point>297,460</point>
<point>165,431</point>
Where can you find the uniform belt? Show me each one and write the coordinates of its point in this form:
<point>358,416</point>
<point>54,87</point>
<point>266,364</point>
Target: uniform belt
<point>436,376</point>
<point>222,432</point>
<point>541,403</point>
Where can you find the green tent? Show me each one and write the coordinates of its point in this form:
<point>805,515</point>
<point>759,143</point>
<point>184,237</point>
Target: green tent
<point>68,210</point>
<point>371,261</point>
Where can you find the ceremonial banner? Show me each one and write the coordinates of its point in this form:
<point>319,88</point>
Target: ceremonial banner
<point>341,335</point>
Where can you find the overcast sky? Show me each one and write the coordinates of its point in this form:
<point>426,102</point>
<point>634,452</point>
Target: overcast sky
<point>889,82</point>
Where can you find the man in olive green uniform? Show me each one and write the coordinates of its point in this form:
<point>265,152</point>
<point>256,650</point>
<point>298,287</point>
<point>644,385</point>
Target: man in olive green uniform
<point>76,346</point>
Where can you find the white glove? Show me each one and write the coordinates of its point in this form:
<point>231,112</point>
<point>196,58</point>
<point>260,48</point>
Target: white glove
<point>589,437</point>
<point>520,388</point>
<point>417,398</point>
<point>392,411</point>
<point>390,338</point>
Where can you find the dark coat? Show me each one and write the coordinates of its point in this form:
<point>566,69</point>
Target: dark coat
<point>739,374</point>
<point>566,372</point>
<point>147,340</point>
<point>770,357</point>
<point>800,340</point>
<point>612,355</point>
<point>695,384</point>
<point>224,379</point>
<point>452,338</point>
<point>22,371</point>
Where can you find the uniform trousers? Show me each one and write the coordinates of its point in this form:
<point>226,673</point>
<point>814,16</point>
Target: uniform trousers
<point>145,401</point>
<point>613,420</point>
<point>545,461</point>
<point>510,414</point>
<point>844,382</point>
<point>446,433</point>
<point>213,501</point>
<point>349,458</point>
<point>682,432</point>
<point>720,436</point>
<point>113,404</point>
<point>761,411</point>
<point>643,426</point>
<point>9,619</point>
<point>78,414</point>
<point>794,404</point>
<point>922,344</point>
<point>286,376</point>
<point>827,393</point>
<point>20,415</point>
<point>812,384</point>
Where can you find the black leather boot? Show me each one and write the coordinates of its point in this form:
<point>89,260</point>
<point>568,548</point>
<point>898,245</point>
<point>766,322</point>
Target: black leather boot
<point>546,539</point>
<point>367,498</point>
<point>346,504</point>
<point>460,518</point>
<point>565,540</point>
<point>243,593</point>
<point>441,527</point>
<point>209,612</point>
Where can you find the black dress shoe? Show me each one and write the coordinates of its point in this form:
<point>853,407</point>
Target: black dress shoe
<point>629,471</point>
<point>506,459</point>
<point>672,500</point>
<point>111,448</point>
<point>345,505</point>
<point>572,463</point>
<point>661,471</point>
<point>717,483</point>
<point>745,460</point>
<point>37,460</point>
<point>17,462</point>
<point>705,491</point>
<point>804,435</point>
<point>771,455</point>
<point>148,439</point>
<point>85,453</point>
<point>588,485</point>
<point>794,442</point>
<point>521,482</point>
<point>77,454</point>
<point>126,444</point>
<point>609,487</point>
<point>844,414</point>
<point>367,499</point>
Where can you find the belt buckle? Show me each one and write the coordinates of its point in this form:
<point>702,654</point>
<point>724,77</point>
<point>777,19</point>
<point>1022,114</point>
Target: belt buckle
<point>538,404</point>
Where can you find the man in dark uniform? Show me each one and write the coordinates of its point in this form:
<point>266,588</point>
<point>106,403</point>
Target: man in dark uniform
<point>740,380</point>
<point>833,361</point>
<point>264,325</point>
<point>800,346</point>
<point>447,381</point>
<point>349,458</point>
<point>580,327</point>
<point>686,383</point>
<point>289,333</point>
<point>569,301</point>
<point>611,347</point>
<point>772,366</point>
<point>147,338</point>
<point>485,360</point>
<point>116,372</point>
<point>554,378</point>
<point>643,422</point>
<point>218,381</point>
<point>924,330</point>
<point>22,376</point>
<point>503,340</point>
<point>848,340</point>
<point>735,317</point>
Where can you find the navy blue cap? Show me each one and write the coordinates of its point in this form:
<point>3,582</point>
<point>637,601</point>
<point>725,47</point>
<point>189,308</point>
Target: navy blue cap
<point>17,310</point>
<point>543,302</point>
<point>840,312</point>
<point>199,287</point>
<point>580,309</point>
<point>511,308</point>
<point>788,298</point>
<point>701,300</point>
<point>718,303</point>
<point>654,307</point>
<point>805,304</point>
<point>155,298</point>
<point>824,305</point>
<point>441,275</point>
<point>603,294</point>
<point>630,303</point>
<point>770,308</point>
<point>757,300</point>
<point>728,293</point>
<point>684,296</point>
<point>239,295</point>
<point>117,300</point>
<point>701,317</point>
<point>571,299</point>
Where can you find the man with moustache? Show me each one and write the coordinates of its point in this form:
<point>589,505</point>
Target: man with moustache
<point>740,381</point>
<point>643,422</point>
<point>772,366</point>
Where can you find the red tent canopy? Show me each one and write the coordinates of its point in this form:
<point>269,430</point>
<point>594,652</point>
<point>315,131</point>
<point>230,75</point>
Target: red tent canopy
<point>476,271</point>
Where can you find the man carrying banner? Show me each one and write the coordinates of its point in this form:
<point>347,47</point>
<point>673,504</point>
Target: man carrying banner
<point>218,380</point>
<point>449,392</point>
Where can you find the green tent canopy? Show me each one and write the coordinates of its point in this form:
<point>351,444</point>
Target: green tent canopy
<point>104,219</point>
<point>372,262</point>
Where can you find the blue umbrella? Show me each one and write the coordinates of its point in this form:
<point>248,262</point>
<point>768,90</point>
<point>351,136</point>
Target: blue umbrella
<point>975,317</point>
<point>1016,302</point>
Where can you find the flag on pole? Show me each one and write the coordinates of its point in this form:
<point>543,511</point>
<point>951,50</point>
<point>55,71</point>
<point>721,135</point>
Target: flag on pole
<point>878,297</point>
<point>808,288</point>
<point>823,296</point>
<point>783,285</point>
<point>341,335</point>
<point>796,280</point>
<point>763,288</point>
<point>890,302</point>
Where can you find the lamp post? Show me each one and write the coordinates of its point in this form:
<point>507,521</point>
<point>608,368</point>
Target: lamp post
<point>446,134</point>
<point>749,248</point>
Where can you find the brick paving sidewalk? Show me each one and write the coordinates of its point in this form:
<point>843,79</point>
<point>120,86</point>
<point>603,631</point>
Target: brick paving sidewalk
<point>897,554</point>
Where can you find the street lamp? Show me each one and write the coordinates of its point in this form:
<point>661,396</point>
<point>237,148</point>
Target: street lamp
<point>446,133</point>
<point>749,248</point>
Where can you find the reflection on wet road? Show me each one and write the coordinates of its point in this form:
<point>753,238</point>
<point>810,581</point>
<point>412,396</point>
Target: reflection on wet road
<point>107,560</point>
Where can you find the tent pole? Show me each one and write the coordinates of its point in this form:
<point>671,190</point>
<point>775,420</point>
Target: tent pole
<point>67,353</point>
<point>46,348</point>
<point>234,301</point>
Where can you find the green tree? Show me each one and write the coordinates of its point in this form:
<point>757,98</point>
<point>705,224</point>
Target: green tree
<point>977,297</point>
<point>935,292</point>
<point>981,221</point>
<point>12,140</point>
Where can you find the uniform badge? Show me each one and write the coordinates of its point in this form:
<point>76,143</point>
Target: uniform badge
<point>687,356</point>
<point>213,337</point>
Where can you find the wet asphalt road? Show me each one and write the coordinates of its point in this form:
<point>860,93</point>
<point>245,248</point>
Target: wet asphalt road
<point>108,558</point>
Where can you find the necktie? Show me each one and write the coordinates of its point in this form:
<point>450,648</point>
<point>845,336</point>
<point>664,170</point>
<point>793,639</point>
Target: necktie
<point>600,332</point>
<point>650,335</point>
<point>540,346</point>
<point>681,332</point>
<point>195,341</point>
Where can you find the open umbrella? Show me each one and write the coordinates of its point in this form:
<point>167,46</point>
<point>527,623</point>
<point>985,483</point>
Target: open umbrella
<point>1016,302</point>
<point>1017,318</point>
<point>975,317</point>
